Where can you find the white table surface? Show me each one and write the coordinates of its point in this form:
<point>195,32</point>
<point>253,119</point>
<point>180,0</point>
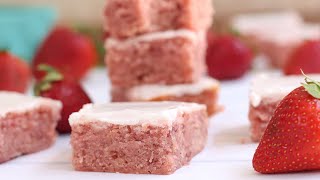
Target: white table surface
<point>226,156</point>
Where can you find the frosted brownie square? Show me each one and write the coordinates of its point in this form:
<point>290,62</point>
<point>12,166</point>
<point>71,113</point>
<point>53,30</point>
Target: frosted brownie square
<point>27,124</point>
<point>205,91</point>
<point>128,18</point>
<point>256,24</point>
<point>137,138</point>
<point>266,92</point>
<point>280,45</point>
<point>276,34</point>
<point>170,57</point>
<point>254,27</point>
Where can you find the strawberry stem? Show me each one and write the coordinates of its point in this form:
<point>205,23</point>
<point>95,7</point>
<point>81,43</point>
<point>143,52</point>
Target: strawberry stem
<point>52,75</point>
<point>234,32</point>
<point>4,50</point>
<point>311,86</point>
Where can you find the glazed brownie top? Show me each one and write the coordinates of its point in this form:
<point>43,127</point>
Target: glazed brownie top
<point>134,113</point>
<point>11,102</point>
<point>111,42</point>
<point>274,87</point>
<point>147,92</point>
<point>289,27</point>
<point>256,22</point>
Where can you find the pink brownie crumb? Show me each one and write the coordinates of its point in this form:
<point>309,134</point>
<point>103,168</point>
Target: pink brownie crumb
<point>128,18</point>
<point>140,148</point>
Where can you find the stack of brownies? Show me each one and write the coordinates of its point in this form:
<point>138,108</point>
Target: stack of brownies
<point>156,51</point>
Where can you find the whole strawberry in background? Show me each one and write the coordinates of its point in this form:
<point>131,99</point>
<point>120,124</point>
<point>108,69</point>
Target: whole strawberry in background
<point>292,139</point>
<point>69,92</point>
<point>227,57</point>
<point>15,74</point>
<point>306,57</point>
<point>72,53</point>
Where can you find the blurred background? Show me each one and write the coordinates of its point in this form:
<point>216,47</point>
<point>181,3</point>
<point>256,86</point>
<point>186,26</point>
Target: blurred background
<point>68,35</point>
<point>89,12</point>
<point>38,16</point>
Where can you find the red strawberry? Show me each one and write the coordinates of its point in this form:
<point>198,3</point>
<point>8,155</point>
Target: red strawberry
<point>71,53</point>
<point>15,74</point>
<point>306,57</point>
<point>292,139</point>
<point>228,57</point>
<point>210,37</point>
<point>70,93</point>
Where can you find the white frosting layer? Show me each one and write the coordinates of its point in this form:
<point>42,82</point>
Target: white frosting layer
<point>311,31</point>
<point>148,92</point>
<point>294,35</point>
<point>273,87</point>
<point>111,42</point>
<point>11,102</point>
<point>256,22</point>
<point>140,113</point>
<point>285,27</point>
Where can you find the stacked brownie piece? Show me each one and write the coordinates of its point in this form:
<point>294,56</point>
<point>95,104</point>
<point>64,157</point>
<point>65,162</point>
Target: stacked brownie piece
<point>155,52</point>
<point>154,45</point>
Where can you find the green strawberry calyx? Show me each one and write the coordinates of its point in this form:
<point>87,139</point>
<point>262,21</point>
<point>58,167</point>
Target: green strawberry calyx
<point>311,86</point>
<point>235,32</point>
<point>4,50</point>
<point>52,75</point>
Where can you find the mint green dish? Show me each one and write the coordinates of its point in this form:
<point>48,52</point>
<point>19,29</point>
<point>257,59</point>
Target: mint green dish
<point>22,29</point>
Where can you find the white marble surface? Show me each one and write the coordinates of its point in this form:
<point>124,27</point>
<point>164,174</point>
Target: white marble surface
<point>225,157</point>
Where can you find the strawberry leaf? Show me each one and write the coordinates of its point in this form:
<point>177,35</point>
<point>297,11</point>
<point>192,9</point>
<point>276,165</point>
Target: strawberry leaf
<point>42,86</point>
<point>235,32</point>
<point>311,86</point>
<point>313,90</point>
<point>52,75</point>
<point>5,48</point>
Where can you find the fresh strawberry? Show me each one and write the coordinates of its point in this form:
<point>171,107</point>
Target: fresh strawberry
<point>227,57</point>
<point>292,139</point>
<point>71,53</point>
<point>305,57</point>
<point>15,74</point>
<point>70,93</point>
<point>210,37</point>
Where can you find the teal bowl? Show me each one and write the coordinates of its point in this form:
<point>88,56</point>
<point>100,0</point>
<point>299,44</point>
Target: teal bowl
<point>22,29</point>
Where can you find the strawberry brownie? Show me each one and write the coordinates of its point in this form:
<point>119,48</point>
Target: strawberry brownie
<point>128,18</point>
<point>169,57</point>
<point>27,124</point>
<point>205,91</point>
<point>137,138</point>
<point>254,26</point>
<point>279,46</point>
<point>276,42</point>
<point>267,90</point>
